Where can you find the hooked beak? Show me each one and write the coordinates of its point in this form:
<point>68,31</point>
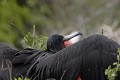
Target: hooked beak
<point>68,37</point>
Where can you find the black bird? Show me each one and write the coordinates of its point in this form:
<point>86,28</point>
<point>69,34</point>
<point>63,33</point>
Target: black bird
<point>25,58</point>
<point>87,58</point>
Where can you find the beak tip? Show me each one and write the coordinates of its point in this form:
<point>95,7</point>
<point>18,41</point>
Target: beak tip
<point>80,33</point>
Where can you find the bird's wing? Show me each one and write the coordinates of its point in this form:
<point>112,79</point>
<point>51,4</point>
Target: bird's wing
<point>87,58</point>
<point>22,55</point>
<point>7,52</point>
<point>23,61</point>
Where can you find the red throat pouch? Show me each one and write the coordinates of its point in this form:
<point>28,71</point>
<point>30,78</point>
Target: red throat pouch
<point>67,43</point>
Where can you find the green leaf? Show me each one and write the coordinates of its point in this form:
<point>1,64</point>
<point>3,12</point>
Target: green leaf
<point>34,41</point>
<point>112,72</point>
<point>19,78</point>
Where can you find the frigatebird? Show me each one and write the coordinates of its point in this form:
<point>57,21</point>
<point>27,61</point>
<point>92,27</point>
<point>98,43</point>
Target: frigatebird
<point>22,59</point>
<point>87,58</point>
<point>55,43</point>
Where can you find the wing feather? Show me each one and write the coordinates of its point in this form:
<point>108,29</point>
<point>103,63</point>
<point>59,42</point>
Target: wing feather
<point>87,58</point>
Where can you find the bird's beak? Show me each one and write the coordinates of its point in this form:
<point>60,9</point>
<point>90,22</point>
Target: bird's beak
<point>68,37</point>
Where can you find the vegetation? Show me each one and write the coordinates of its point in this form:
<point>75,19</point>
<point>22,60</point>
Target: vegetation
<point>112,72</point>
<point>19,78</point>
<point>23,13</point>
<point>51,16</point>
<point>33,41</point>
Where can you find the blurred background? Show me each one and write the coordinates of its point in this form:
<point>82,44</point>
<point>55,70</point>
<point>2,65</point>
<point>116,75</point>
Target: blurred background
<point>58,16</point>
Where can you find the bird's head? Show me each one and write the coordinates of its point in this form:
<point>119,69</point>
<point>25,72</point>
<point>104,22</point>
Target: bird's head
<point>57,42</point>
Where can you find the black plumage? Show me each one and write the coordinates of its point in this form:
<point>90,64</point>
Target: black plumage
<point>6,52</point>
<point>55,43</point>
<point>25,58</point>
<point>22,60</point>
<point>87,58</point>
<point>17,59</point>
